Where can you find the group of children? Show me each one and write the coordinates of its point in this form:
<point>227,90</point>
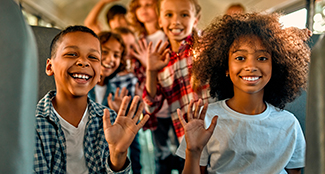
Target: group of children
<point>247,61</point>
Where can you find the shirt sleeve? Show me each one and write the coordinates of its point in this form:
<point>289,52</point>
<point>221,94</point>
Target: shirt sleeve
<point>126,170</point>
<point>40,164</point>
<point>298,157</point>
<point>153,104</point>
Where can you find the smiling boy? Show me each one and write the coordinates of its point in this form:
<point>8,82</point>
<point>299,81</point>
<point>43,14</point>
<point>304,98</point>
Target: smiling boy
<point>73,133</point>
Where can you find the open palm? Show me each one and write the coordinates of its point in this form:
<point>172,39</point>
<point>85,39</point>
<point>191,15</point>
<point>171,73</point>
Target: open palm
<point>196,135</point>
<point>120,135</point>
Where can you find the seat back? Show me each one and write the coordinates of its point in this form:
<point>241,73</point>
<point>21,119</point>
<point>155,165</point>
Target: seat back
<point>18,90</point>
<point>315,119</point>
<point>44,37</point>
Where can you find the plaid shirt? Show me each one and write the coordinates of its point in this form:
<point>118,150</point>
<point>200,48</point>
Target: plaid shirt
<point>174,85</point>
<point>50,149</point>
<point>128,80</point>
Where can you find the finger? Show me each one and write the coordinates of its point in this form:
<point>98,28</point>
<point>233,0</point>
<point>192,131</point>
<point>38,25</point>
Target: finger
<point>213,124</point>
<point>143,121</point>
<point>109,100</point>
<point>106,119</point>
<point>133,106</point>
<point>197,109</point>
<point>157,46</point>
<point>163,47</point>
<point>203,112</point>
<point>167,57</point>
<point>149,48</point>
<point>139,111</point>
<point>117,91</point>
<point>180,116</point>
<point>190,111</point>
<point>124,92</point>
<point>141,44</point>
<point>124,106</point>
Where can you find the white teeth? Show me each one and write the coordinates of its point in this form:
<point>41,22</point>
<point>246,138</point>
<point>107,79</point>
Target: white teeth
<point>176,30</point>
<point>250,78</point>
<point>81,76</point>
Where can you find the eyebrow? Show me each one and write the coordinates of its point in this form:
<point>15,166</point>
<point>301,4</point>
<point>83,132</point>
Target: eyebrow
<point>240,50</point>
<point>76,47</point>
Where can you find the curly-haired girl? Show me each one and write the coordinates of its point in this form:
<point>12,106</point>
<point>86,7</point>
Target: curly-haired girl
<point>254,67</point>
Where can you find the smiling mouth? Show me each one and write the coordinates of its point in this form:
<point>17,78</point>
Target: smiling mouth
<point>176,31</point>
<point>250,79</point>
<point>108,66</point>
<point>80,76</point>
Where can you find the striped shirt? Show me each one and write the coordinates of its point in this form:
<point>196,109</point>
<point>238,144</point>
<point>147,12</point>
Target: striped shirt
<point>50,149</point>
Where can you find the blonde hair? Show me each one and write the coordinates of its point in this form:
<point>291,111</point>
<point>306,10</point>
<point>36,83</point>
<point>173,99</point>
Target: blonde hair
<point>194,2</point>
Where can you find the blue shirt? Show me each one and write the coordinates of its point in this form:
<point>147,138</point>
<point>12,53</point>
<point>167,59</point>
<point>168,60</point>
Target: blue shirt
<point>50,148</point>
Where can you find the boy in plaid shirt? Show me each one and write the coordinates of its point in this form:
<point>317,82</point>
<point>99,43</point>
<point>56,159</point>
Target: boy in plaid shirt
<point>73,133</point>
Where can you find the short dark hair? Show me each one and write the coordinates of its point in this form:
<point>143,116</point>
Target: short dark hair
<point>290,55</point>
<point>105,37</point>
<point>69,29</point>
<point>115,10</point>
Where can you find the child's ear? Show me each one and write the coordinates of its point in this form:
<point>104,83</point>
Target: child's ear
<point>48,69</point>
<point>227,73</point>
<point>197,18</point>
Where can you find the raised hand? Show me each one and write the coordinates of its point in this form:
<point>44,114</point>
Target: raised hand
<point>120,135</point>
<point>118,97</point>
<point>196,135</point>
<point>141,52</point>
<point>158,58</point>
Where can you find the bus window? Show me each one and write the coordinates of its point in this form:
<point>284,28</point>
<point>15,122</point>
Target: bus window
<point>290,20</point>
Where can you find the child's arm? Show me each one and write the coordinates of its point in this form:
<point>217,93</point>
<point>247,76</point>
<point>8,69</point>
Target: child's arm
<point>91,20</point>
<point>120,135</point>
<point>118,97</point>
<point>157,60</point>
<point>196,136</point>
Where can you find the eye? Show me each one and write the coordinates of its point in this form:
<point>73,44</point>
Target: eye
<point>71,54</point>
<point>117,56</point>
<point>240,58</point>
<point>262,58</point>
<point>104,52</point>
<point>168,15</point>
<point>93,57</point>
<point>184,15</point>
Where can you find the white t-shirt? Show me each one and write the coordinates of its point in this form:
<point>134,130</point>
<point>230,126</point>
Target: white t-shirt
<point>74,137</point>
<point>100,92</point>
<point>264,143</point>
<point>155,37</point>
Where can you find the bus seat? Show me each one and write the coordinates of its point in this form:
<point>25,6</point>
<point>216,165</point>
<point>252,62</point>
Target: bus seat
<point>18,90</point>
<point>315,119</point>
<point>298,108</point>
<point>44,37</point>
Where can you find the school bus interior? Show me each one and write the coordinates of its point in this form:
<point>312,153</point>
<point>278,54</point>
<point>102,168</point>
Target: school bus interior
<point>47,17</point>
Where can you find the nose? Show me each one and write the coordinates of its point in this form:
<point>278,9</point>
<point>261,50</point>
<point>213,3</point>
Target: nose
<point>250,65</point>
<point>176,19</point>
<point>83,62</point>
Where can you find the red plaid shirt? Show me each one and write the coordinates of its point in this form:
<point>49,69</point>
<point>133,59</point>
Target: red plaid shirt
<point>174,85</point>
